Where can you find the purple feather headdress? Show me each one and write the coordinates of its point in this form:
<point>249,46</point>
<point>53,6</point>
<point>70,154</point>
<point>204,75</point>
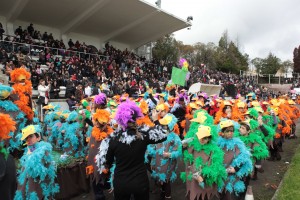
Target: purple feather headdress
<point>181,97</point>
<point>100,99</point>
<point>127,111</point>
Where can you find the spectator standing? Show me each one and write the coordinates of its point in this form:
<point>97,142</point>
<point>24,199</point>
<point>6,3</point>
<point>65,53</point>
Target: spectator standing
<point>88,90</point>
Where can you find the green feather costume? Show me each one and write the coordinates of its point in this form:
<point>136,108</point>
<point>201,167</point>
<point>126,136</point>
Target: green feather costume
<point>207,161</point>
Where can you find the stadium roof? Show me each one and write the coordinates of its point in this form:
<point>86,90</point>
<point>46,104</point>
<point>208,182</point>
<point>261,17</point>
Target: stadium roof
<point>131,22</point>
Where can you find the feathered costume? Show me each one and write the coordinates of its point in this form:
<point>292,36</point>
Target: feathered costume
<point>8,107</point>
<point>127,147</point>
<point>37,177</point>
<point>7,167</point>
<point>237,156</point>
<point>96,138</point>
<point>164,168</point>
<point>22,93</point>
<point>205,161</point>
<point>254,142</point>
<point>71,137</point>
<point>145,120</point>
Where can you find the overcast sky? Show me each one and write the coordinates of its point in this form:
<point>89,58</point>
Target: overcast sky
<point>262,26</point>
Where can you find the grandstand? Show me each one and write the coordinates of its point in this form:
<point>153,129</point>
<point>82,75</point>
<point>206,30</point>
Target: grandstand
<point>125,24</point>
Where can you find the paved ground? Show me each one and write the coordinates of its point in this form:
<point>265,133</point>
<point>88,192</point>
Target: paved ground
<point>263,188</point>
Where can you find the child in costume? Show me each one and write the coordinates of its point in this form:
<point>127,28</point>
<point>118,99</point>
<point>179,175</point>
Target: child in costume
<point>7,106</point>
<point>259,150</point>
<point>22,92</point>
<point>164,156</point>
<point>36,178</point>
<point>205,172</point>
<point>225,112</point>
<point>127,147</point>
<point>237,161</point>
<point>100,131</point>
<point>7,166</point>
<point>71,136</point>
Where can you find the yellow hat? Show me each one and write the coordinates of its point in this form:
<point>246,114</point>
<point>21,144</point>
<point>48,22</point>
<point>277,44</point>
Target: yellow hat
<point>200,103</point>
<point>160,107</point>
<point>247,122</point>
<point>200,118</point>
<point>249,95</point>
<point>4,94</point>
<point>265,103</point>
<point>241,104</point>
<point>48,107</point>
<point>29,130</point>
<point>226,123</point>
<point>255,103</point>
<point>166,120</point>
<point>291,102</point>
<point>194,106</point>
<point>203,131</point>
<point>259,109</point>
<point>65,115</point>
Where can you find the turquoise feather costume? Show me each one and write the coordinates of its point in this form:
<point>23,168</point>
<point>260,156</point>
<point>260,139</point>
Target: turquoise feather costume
<point>237,156</point>
<point>8,107</point>
<point>164,168</point>
<point>37,176</point>
<point>72,139</point>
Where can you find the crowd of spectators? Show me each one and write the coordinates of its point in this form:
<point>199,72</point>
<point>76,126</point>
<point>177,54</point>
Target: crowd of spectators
<point>115,72</point>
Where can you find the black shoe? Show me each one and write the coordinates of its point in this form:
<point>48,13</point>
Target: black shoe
<point>260,170</point>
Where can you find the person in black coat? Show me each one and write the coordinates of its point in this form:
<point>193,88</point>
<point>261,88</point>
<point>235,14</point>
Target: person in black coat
<point>126,147</point>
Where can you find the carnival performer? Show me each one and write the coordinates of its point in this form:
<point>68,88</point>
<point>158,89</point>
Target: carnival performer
<point>259,150</point>
<point>7,106</point>
<point>237,160</point>
<point>225,112</point>
<point>100,131</point>
<point>22,92</point>
<point>145,120</point>
<point>7,167</point>
<point>36,178</point>
<point>296,113</point>
<point>164,157</point>
<point>127,147</point>
<point>190,110</point>
<point>203,159</point>
<point>71,136</point>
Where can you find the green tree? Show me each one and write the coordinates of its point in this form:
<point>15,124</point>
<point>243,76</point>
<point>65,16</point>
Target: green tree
<point>257,62</point>
<point>271,64</point>
<point>166,48</point>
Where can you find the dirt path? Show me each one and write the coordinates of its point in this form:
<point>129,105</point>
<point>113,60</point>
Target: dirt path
<point>263,188</point>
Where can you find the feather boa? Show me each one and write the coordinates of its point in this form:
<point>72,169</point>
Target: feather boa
<point>23,101</point>
<point>145,121</point>
<point>155,134</point>
<point>98,135</point>
<point>38,166</point>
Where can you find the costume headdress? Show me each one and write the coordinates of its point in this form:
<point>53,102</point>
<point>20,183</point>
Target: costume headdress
<point>100,99</point>
<point>127,111</point>
<point>101,116</point>
<point>19,74</point>
<point>170,120</point>
<point>7,125</point>
<point>29,130</point>
<point>5,91</point>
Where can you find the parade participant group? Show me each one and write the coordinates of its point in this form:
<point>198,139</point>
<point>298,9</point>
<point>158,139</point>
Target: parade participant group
<point>123,140</point>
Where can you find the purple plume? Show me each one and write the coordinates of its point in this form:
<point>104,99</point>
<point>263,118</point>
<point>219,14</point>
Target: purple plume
<point>127,111</point>
<point>100,99</point>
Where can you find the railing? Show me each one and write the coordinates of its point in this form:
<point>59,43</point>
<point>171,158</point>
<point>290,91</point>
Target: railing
<point>34,50</point>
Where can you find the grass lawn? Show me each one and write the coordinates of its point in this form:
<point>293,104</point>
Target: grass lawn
<point>289,189</point>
